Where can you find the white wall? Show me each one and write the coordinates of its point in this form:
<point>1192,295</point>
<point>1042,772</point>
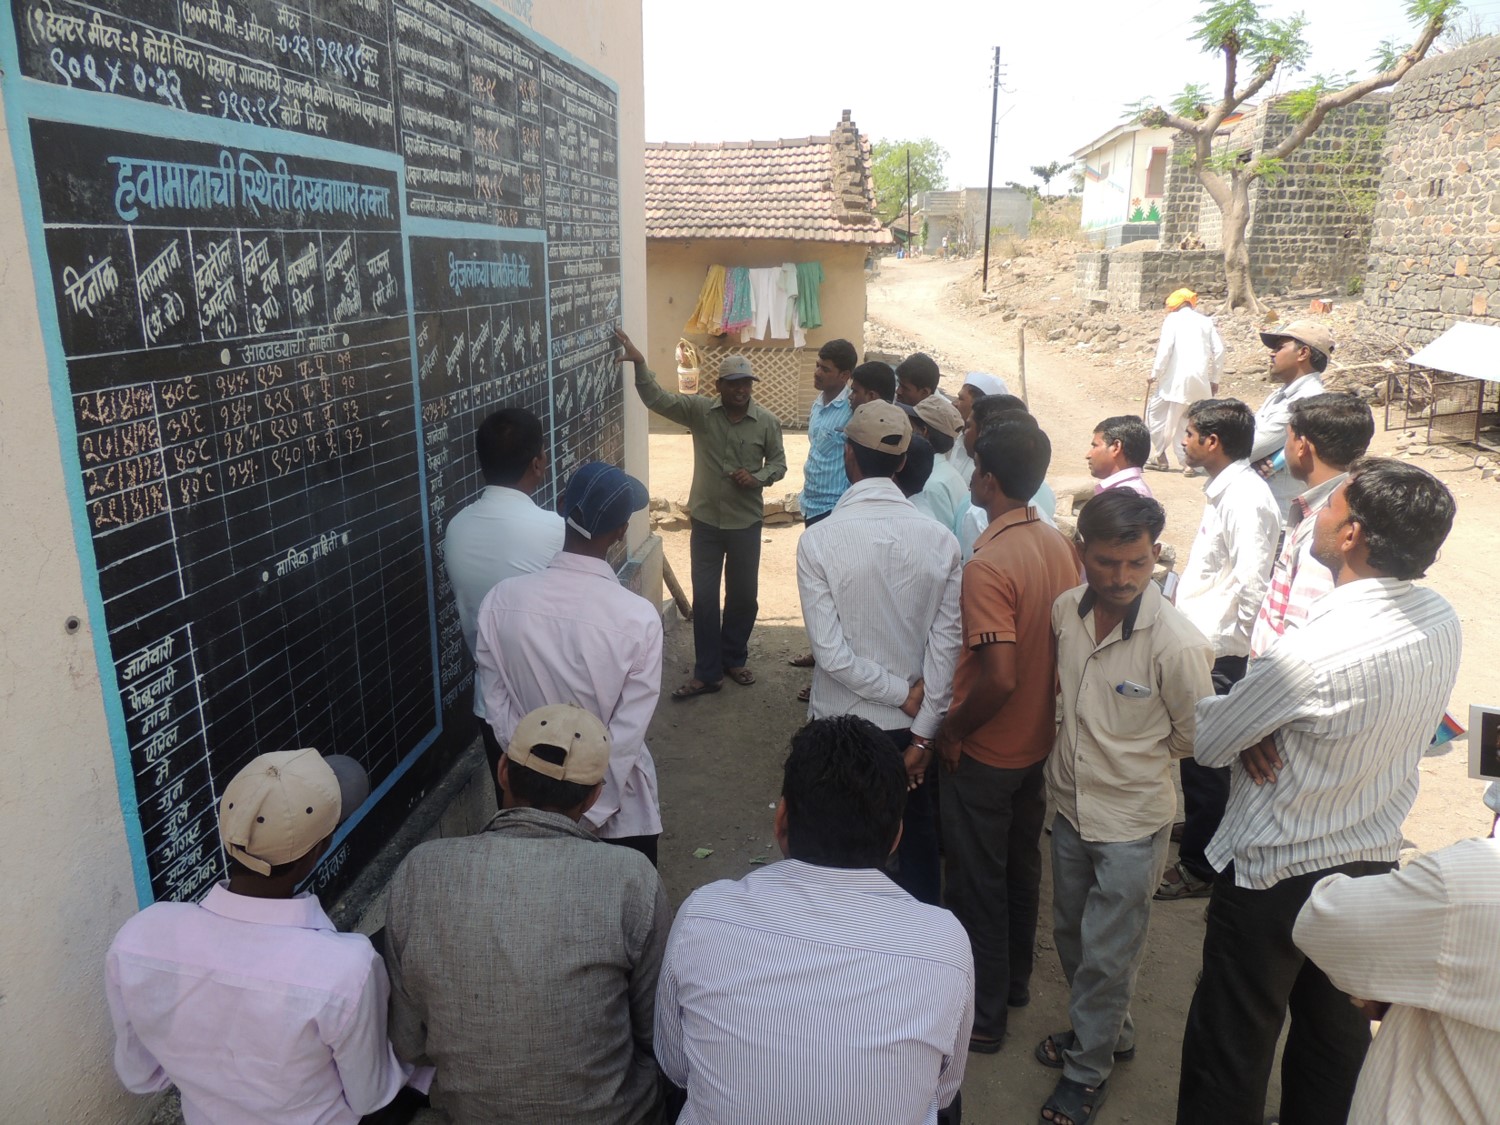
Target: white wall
<point>1107,202</point>
<point>67,883</point>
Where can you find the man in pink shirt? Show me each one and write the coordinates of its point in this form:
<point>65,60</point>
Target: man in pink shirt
<point>1326,434</point>
<point>1117,453</point>
<point>249,1001</point>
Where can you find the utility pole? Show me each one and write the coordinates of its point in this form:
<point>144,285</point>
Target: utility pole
<point>908,201</point>
<point>989,190</point>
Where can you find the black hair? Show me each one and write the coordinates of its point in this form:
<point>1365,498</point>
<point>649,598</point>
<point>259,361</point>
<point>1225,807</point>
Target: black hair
<point>1316,359</point>
<point>1228,419</point>
<point>941,443</point>
<point>1016,453</point>
<point>1340,427</point>
<point>1405,514</point>
<point>840,353</point>
<point>920,370</point>
<point>987,409</point>
<point>878,377</point>
<point>1131,433</point>
<point>845,790</point>
<point>919,460</point>
<point>875,462</point>
<point>543,792</point>
<point>506,443</point>
<point>1120,515</point>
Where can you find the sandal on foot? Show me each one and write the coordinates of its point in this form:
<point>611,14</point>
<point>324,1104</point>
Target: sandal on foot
<point>806,660</point>
<point>1073,1102</point>
<point>1158,465</point>
<point>805,695</point>
<point>696,687</point>
<point>1049,1052</point>
<point>741,675</point>
<point>1179,883</point>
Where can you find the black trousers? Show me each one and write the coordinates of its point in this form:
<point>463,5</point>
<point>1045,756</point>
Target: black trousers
<point>916,867</point>
<point>733,557</point>
<point>1252,975</point>
<point>992,828</point>
<point>646,845</point>
<point>1205,791</point>
<point>492,754</point>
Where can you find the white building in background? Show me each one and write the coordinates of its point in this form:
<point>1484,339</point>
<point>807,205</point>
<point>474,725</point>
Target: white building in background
<point>1124,182</point>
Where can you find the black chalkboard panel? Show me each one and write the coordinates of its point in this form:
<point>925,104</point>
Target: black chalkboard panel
<point>273,354</point>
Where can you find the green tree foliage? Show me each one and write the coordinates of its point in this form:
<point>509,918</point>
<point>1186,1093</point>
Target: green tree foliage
<point>888,171</point>
<point>1047,172</point>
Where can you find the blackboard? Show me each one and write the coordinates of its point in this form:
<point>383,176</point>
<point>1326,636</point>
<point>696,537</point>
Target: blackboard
<point>287,256</point>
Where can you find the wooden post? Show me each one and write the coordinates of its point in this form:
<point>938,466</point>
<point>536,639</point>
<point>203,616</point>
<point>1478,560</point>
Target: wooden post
<point>679,596</point>
<point>1021,359</point>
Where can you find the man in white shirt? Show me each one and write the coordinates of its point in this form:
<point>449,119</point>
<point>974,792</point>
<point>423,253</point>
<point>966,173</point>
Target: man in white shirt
<point>1116,454</point>
<point>977,385</point>
<point>815,989</point>
<point>1189,363</point>
<point>1418,946</point>
<point>1130,669</point>
<point>1326,434</point>
<point>1299,355</point>
<point>1323,737</point>
<point>879,588</point>
<point>573,634</point>
<point>250,1002</point>
<point>1222,586</point>
<point>501,534</point>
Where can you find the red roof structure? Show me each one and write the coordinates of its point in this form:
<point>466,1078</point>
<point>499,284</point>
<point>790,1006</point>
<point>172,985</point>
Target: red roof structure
<point>814,188</point>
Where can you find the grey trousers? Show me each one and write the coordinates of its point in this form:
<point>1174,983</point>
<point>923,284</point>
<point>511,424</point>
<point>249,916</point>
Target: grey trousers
<point>1101,906</point>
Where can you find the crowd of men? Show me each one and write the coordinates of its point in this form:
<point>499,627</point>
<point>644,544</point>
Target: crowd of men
<point>972,666</point>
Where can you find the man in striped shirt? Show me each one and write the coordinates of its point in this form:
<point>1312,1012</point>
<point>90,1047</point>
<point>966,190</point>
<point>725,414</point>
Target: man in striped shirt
<point>823,476</point>
<point>815,989</point>
<point>1326,434</point>
<point>1323,737</point>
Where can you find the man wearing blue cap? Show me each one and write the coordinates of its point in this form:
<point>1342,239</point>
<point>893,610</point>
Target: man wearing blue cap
<point>737,452</point>
<point>573,634</point>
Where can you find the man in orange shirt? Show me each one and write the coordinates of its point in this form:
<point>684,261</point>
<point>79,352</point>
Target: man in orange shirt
<point>1001,725</point>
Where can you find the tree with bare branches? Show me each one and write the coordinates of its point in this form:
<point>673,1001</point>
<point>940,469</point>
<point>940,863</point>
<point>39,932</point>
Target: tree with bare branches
<point>1252,42</point>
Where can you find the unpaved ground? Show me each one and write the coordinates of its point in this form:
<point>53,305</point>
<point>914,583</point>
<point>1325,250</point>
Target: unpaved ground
<point>718,757</point>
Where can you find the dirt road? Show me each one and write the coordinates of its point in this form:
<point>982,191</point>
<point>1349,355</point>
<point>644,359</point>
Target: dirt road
<point>719,757</point>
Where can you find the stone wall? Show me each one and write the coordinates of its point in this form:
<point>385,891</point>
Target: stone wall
<point>1306,227</point>
<point>1142,280</point>
<point>1435,250</point>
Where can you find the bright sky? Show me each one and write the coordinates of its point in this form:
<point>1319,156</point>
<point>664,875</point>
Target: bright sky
<point>763,69</point>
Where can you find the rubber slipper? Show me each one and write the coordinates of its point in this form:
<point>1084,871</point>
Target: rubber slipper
<point>1063,1041</point>
<point>1178,883</point>
<point>687,690</point>
<point>806,660</point>
<point>742,676</point>
<point>1075,1101</point>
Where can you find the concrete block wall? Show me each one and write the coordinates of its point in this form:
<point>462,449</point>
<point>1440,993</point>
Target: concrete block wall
<point>1434,254</point>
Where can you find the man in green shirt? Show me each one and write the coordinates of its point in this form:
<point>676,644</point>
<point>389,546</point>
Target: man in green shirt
<point>737,452</point>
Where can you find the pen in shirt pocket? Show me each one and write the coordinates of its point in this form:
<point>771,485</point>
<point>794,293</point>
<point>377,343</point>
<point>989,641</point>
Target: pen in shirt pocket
<point>1132,690</point>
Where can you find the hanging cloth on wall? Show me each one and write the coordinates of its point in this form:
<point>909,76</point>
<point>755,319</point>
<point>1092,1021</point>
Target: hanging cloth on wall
<point>738,312</point>
<point>809,281</point>
<point>708,314</point>
<point>790,287</point>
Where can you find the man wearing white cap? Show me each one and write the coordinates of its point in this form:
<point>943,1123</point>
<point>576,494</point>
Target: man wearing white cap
<point>1299,356</point>
<point>573,634</point>
<point>1189,363</point>
<point>250,1002</point>
<point>977,385</point>
<point>879,589</point>
<point>524,959</point>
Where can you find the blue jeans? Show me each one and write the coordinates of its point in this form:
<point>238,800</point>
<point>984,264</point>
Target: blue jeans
<point>733,557</point>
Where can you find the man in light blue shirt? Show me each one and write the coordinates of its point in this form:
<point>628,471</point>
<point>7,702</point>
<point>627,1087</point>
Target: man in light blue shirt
<point>823,477</point>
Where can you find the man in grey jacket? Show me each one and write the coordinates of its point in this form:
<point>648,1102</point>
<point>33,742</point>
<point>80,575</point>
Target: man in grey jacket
<point>524,959</point>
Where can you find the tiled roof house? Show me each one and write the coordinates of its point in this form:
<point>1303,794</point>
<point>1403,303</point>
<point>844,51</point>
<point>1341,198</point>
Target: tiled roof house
<point>758,204</point>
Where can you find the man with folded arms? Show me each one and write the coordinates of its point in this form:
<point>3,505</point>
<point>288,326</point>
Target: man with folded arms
<point>815,989</point>
<point>1322,737</point>
<point>524,959</point>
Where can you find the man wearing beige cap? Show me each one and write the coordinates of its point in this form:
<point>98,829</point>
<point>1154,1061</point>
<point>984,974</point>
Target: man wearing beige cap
<point>1188,366</point>
<point>249,1002</point>
<point>524,959</point>
<point>879,588</point>
<point>1299,356</point>
<point>945,496</point>
<point>737,454</point>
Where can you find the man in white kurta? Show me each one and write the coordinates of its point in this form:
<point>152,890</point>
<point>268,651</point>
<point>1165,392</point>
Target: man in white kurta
<point>1189,363</point>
